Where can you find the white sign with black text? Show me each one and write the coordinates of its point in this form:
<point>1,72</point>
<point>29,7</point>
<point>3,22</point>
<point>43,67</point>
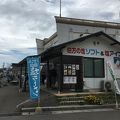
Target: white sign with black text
<point>70,80</point>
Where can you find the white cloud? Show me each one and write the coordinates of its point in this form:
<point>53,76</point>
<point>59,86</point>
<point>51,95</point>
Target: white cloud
<point>7,59</point>
<point>92,9</point>
<point>21,21</point>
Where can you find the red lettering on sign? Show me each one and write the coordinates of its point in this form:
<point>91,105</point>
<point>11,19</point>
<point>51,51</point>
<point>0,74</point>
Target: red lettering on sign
<point>82,51</point>
<point>73,50</point>
<point>69,50</point>
<point>78,50</point>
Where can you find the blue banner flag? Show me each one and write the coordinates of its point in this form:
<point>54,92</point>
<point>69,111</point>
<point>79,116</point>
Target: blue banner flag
<point>33,64</point>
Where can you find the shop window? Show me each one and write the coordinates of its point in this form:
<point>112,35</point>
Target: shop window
<point>65,69</point>
<point>94,67</point>
<point>70,73</point>
<point>70,69</point>
<point>73,69</point>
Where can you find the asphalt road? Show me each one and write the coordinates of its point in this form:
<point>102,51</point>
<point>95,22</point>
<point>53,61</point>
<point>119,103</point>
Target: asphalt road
<point>101,115</point>
<point>9,98</point>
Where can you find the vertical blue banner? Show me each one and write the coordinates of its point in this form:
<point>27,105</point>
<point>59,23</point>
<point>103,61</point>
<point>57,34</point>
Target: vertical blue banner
<point>33,64</point>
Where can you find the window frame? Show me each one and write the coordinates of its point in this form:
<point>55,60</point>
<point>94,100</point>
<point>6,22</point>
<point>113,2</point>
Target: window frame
<point>93,65</point>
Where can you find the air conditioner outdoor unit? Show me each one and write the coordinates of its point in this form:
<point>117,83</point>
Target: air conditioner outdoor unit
<point>107,85</point>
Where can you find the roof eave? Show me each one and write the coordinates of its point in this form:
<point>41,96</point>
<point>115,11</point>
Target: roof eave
<point>85,22</point>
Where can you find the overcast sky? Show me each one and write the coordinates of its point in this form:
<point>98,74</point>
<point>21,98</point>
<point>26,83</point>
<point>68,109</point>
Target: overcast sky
<point>22,21</point>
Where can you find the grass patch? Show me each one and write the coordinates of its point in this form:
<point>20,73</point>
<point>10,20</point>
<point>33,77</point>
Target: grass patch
<point>91,99</point>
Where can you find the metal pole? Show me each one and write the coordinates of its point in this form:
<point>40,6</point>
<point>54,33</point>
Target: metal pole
<point>38,102</point>
<point>60,8</point>
<point>116,104</point>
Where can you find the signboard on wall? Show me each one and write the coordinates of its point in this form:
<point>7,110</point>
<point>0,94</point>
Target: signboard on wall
<point>92,51</point>
<point>95,52</point>
<point>33,64</point>
<point>70,80</point>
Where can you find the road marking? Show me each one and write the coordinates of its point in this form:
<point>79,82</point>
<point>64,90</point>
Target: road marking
<point>77,111</point>
<point>28,113</point>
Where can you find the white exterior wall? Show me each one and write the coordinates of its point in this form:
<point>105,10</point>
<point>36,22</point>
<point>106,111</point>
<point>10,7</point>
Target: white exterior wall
<point>104,45</point>
<point>52,43</point>
<point>40,46</point>
<point>48,45</point>
<point>67,32</point>
<point>55,41</point>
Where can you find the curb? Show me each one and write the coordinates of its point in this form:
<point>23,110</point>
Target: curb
<point>61,108</point>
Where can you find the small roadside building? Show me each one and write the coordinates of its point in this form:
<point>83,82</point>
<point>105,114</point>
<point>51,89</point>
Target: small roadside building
<point>75,57</point>
<point>77,53</point>
<point>81,64</point>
